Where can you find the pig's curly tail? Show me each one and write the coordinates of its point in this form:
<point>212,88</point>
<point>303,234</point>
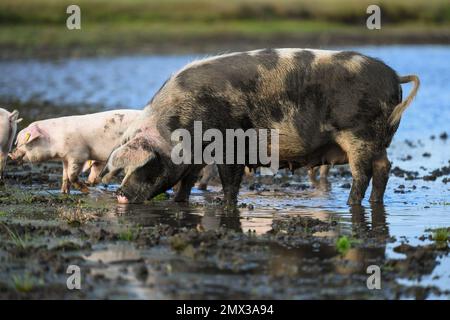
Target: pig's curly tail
<point>395,116</point>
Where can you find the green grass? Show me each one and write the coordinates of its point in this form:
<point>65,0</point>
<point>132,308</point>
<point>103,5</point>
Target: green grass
<point>343,244</point>
<point>441,235</point>
<point>161,197</point>
<point>19,241</point>
<point>24,283</point>
<point>130,233</point>
<point>346,11</point>
<point>34,26</point>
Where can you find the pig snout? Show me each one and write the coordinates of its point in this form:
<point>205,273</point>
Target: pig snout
<point>17,155</point>
<point>121,197</point>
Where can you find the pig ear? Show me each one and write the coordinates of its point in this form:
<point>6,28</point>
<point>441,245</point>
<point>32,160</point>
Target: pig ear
<point>13,116</point>
<point>132,154</point>
<point>30,134</point>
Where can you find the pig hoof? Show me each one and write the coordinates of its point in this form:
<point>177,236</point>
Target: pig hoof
<point>65,190</point>
<point>82,187</point>
<point>122,200</point>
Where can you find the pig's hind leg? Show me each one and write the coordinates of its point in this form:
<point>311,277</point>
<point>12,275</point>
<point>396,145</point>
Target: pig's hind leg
<point>381,167</point>
<point>65,187</point>
<point>360,156</point>
<point>74,170</point>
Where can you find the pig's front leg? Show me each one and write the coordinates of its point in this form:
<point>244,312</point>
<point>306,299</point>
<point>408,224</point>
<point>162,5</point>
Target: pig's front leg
<point>186,184</point>
<point>74,170</point>
<point>324,170</point>
<point>65,188</point>
<point>312,174</point>
<point>231,177</point>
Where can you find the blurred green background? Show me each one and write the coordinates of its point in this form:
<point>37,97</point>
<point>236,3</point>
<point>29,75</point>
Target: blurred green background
<point>38,27</point>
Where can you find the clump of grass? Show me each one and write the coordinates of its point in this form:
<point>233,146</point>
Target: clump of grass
<point>21,242</point>
<point>441,235</point>
<point>343,244</point>
<point>75,217</point>
<point>161,197</point>
<point>3,214</point>
<point>129,234</point>
<point>178,243</point>
<point>24,283</point>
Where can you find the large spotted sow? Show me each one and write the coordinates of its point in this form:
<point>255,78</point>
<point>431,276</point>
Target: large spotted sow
<point>330,107</point>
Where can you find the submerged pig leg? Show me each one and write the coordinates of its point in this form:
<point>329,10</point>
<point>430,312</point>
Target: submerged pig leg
<point>184,187</point>
<point>380,167</point>
<point>231,177</point>
<point>74,170</point>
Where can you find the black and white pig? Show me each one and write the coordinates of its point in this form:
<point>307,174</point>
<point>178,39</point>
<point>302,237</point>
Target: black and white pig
<point>330,107</point>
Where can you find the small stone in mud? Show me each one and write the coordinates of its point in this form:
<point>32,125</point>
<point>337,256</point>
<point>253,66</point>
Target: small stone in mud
<point>429,178</point>
<point>433,137</point>
<point>426,154</point>
<point>402,186</point>
<point>445,180</point>
<point>346,185</point>
<point>410,144</point>
<point>299,225</point>
<point>301,187</point>
<point>254,186</point>
<point>407,158</point>
<point>141,272</point>
<point>443,136</point>
<point>410,175</point>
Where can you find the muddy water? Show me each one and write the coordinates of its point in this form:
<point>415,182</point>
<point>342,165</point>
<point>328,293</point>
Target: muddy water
<point>282,244</point>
